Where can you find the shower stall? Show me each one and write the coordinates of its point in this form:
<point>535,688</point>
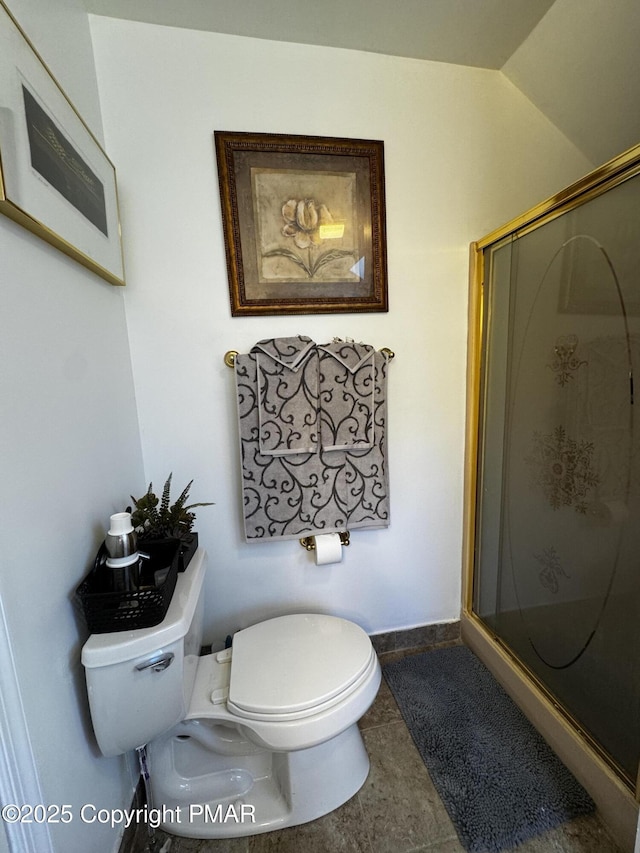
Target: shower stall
<point>552,540</point>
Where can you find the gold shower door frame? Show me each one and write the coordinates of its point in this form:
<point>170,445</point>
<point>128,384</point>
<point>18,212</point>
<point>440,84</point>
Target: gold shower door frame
<point>613,791</point>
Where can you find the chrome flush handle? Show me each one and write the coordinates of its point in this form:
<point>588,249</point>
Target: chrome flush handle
<point>156,664</point>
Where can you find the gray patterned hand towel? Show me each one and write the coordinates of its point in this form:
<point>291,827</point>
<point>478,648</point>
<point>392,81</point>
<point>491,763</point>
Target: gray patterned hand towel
<point>287,372</point>
<point>288,495</point>
<point>346,395</point>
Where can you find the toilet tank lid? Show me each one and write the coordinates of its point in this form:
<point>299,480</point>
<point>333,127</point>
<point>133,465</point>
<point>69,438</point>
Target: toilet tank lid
<point>120,646</point>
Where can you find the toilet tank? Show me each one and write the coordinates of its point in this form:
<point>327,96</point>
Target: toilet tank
<point>140,682</point>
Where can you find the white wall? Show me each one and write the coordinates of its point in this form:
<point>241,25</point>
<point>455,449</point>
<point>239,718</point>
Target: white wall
<point>580,66</point>
<point>70,456</point>
<point>464,152</point>
<point>59,31</point>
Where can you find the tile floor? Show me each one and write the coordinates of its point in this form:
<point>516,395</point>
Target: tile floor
<point>398,810</point>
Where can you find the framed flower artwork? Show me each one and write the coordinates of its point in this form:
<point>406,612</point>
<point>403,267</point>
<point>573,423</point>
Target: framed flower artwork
<point>304,223</point>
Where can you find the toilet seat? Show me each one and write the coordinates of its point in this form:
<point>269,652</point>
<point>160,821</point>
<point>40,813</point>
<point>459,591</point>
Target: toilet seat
<point>292,667</point>
<point>306,717</point>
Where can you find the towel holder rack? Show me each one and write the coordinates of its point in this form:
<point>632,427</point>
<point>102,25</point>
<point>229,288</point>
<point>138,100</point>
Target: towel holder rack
<point>230,356</point>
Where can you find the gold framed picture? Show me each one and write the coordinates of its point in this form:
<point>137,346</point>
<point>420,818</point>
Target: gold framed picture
<point>304,223</point>
<point>55,179</point>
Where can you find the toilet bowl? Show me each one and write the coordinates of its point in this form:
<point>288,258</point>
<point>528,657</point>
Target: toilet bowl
<point>257,737</point>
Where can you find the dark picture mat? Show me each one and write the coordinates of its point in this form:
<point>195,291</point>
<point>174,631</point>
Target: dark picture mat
<point>303,286</point>
<point>53,157</point>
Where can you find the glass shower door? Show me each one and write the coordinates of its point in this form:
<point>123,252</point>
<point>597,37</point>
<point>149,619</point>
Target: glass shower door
<point>557,562</point>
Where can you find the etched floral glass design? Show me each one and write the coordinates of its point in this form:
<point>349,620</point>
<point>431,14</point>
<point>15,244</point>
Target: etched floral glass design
<point>551,570</point>
<point>565,362</point>
<point>562,468</point>
<point>557,527</point>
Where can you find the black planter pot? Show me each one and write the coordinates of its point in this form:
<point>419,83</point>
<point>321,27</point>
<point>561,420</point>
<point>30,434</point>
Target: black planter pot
<point>188,547</point>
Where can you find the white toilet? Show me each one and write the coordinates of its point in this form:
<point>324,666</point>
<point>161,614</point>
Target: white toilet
<point>254,738</point>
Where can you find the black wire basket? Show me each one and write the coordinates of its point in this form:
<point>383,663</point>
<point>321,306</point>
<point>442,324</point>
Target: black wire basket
<point>106,610</point>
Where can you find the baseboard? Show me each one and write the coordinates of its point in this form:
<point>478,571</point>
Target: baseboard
<point>414,638</point>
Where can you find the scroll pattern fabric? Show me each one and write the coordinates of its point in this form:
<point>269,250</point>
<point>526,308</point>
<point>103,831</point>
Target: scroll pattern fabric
<point>287,372</point>
<point>347,395</point>
<point>288,495</point>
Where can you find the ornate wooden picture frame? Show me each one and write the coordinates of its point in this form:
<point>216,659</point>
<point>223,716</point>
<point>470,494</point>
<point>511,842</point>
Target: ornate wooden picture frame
<point>304,223</point>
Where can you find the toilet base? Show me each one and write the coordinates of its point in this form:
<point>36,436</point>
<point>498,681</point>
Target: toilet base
<point>237,796</point>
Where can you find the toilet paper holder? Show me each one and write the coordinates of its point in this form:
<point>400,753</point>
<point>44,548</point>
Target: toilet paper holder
<point>309,543</point>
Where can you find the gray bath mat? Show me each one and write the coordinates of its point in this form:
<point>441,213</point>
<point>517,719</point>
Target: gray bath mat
<point>499,781</point>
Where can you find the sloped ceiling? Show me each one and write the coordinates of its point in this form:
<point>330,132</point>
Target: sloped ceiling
<point>578,61</point>
<point>581,67</point>
<point>466,32</point>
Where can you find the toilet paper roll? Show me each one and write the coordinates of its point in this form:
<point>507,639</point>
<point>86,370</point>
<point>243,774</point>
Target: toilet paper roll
<point>608,513</point>
<point>328,549</point>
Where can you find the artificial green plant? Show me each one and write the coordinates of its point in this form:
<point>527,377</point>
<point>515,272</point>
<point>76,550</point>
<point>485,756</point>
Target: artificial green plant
<point>158,518</point>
